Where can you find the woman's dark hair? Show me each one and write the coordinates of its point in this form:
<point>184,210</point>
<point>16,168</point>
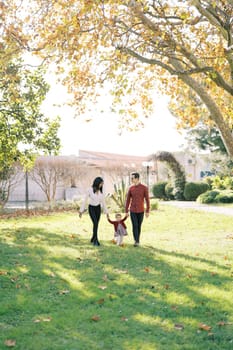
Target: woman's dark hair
<point>96,184</point>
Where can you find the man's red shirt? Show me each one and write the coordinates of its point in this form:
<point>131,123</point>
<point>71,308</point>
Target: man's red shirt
<point>136,196</point>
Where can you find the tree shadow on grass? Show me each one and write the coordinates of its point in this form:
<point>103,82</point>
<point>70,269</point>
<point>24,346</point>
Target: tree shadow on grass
<point>67,294</point>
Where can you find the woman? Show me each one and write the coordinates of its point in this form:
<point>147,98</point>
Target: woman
<point>96,200</point>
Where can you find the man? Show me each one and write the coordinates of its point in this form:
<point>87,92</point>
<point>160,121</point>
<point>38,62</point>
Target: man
<point>137,195</point>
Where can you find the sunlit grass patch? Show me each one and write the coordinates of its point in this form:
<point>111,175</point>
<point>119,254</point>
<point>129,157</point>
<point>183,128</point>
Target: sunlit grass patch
<point>174,292</point>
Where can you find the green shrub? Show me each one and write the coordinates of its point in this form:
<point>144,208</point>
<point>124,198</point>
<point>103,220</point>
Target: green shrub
<point>179,184</point>
<point>216,196</point>
<point>208,197</point>
<point>218,183</point>
<point>193,189</point>
<point>209,180</point>
<point>225,196</point>
<point>158,190</point>
<point>119,195</point>
<point>169,191</point>
<point>154,204</point>
<point>228,182</point>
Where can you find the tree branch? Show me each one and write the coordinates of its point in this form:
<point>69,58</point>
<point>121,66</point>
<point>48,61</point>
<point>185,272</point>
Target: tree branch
<point>215,76</point>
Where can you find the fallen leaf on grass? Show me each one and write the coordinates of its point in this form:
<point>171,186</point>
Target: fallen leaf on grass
<point>146,269</point>
<point>14,279</point>
<point>211,335</point>
<point>105,278</point>
<point>214,274</point>
<point>141,298</point>
<point>65,291</point>
<point>10,343</point>
<point>3,273</point>
<point>27,286</point>
<point>166,286</point>
<point>189,275</point>
<point>100,301</point>
<point>174,307</point>
<point>204,327</point>
<point>125,319</point>
<point>43,319</point>
<point>121,271</point>
<point>102,287</point>
<point>95,318</point>
<point>178,326</point>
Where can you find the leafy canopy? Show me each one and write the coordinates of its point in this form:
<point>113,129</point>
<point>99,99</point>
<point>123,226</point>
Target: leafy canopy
<point>181,48</point>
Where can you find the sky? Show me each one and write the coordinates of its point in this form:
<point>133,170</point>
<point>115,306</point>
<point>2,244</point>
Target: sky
<point>102,133</point>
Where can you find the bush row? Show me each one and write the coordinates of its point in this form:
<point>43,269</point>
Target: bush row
<point>164,190</point>
<point>216,196</point>
<point>200,191</point>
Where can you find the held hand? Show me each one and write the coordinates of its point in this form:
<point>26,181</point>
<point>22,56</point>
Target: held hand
<point>147,215</point>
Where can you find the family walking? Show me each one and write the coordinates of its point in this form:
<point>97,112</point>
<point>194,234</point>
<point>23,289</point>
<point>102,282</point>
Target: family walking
<point>137,205</point>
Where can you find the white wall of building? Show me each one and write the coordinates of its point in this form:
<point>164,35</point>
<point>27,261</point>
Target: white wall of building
<point>193,165</point>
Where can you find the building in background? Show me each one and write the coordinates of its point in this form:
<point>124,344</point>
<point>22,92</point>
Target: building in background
<point>76,173</point>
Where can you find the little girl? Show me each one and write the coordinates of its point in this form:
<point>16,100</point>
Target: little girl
<point>120,229</point>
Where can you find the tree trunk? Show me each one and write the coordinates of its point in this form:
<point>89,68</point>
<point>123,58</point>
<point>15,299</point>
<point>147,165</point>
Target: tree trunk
<point>215,113</point>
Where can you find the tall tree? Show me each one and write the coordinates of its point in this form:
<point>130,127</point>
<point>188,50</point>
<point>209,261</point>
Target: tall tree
<point>9,178</point>
<point>48,172</point>
<point>24,130</point>
<point>51,171</point>
<point>183,48</point>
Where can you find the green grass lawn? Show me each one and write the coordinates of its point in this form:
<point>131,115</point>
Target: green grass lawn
<point>173,292</point>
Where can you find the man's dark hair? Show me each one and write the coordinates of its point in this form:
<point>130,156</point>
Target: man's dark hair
<point>135,175</point>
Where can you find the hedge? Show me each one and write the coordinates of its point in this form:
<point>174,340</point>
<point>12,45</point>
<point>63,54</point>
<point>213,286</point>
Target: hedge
<point>193,189</point>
